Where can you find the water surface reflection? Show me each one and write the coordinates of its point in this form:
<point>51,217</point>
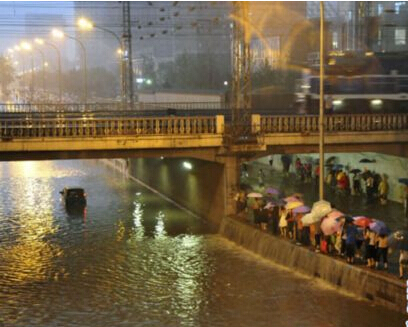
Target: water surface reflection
<point>133,259</point>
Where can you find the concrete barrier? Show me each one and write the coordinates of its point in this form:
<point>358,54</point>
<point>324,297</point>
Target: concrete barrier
<point>379,289</point>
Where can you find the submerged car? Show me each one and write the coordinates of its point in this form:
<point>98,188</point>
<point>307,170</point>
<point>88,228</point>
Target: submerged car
<point>73,197</point>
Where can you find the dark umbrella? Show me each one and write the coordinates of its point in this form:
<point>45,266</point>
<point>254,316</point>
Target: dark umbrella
<point>399,240</point>
<point>403,180</point>
<point>365,160</point>
<point>337,167</point>
<point>330,159</point>
<point>355,171</point>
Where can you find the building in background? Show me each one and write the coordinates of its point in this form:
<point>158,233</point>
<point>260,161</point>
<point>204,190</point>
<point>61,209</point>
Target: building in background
<point>161,30</point>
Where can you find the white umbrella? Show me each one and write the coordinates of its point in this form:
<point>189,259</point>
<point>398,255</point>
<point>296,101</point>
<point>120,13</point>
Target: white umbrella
<point>310,219</point>
<point>254,195</point>
<point>321,208</point>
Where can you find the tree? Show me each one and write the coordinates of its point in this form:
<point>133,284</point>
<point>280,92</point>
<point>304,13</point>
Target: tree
<point>194,71</point>
<point>7,74</point>
<point>101,83</point>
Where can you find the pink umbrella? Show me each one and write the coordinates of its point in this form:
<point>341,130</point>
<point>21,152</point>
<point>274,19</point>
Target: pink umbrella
<point>291,199</point>
<point>330,226</point>
<point>335,214</point>
<point>362,221</point>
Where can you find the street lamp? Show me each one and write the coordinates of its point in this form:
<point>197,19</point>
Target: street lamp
<point>42,42</point>
<point>87,25</point>
<point>59,34</point>
<point>321,111</point>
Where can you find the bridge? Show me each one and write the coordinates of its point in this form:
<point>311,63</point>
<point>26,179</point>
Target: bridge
<point>106,130</point>
<point>40,132</point>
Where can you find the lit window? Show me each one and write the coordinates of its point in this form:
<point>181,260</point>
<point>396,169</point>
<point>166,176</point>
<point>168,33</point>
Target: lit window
<point>380,9</point>
<point>400,36</point>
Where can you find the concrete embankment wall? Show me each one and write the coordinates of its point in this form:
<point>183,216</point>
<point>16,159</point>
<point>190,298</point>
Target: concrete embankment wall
<point>363,283</point>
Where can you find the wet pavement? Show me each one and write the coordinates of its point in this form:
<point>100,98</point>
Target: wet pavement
<point>354,205</point>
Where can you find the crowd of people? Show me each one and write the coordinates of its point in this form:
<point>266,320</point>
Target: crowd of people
<point>353,242</point>
<point>348,181</point>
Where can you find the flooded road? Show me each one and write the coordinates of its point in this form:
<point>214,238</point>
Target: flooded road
<point>133,259</point>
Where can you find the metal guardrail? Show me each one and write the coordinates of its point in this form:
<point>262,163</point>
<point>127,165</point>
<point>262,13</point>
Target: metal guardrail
<point>104,107</point>
<point>334,123</point>
<point>27,128</point>
<point>61,125</point>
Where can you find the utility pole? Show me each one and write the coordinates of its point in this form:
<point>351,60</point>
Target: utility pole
<point>127,76</point>
<point>241,73</point>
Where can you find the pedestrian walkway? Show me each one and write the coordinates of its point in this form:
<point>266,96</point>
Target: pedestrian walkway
<point>354,205</point>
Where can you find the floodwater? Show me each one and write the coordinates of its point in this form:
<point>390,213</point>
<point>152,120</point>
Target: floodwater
<point>133,259</point>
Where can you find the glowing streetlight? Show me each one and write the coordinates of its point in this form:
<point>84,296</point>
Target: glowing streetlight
<point>57,33</point>
<point>39,41</point>
<point>85,24</point>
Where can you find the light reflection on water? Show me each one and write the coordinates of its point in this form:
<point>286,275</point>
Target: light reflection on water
<point>135,260</point>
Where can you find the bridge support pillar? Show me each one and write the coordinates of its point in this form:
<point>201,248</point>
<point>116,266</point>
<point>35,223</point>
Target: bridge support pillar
<point>231,183</point>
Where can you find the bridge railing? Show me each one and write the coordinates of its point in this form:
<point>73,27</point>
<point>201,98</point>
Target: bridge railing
<point>102,107</point>
<point>334,123</point>
<point>28,128</point>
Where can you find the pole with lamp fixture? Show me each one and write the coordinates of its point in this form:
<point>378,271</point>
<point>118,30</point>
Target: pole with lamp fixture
<point>59,34</point>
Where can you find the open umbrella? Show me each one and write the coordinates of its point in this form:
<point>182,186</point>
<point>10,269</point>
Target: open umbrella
<point>321,208</point>
<point>291,199</point>
<point>330,159</point>
<point>293,205</point>
<point>337,167</point>
<point>329,226</point>
<point>335,214</point>
<point>399,240</point>
<point>379,227</point>
<point>355,171</point>
<point>365,160</point>
<point>254,195</point>
<point>362,221</point>
<point>403,181</point>
<point>310,219</point>
<point>271,190</point>
<point>301,209</point>
<point>269,205</point>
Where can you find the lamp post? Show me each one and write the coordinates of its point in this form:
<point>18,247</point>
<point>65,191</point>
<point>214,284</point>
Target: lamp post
<point>59,34</point>
<point>27,47</point>
<point>321,103</point>
<point>17,48</point>
<point>87,25</point>
<point>41,42</point>
<point>43,66</point>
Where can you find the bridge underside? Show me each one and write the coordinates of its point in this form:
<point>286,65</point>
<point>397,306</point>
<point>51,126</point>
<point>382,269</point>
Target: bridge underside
<point>205,147</point>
